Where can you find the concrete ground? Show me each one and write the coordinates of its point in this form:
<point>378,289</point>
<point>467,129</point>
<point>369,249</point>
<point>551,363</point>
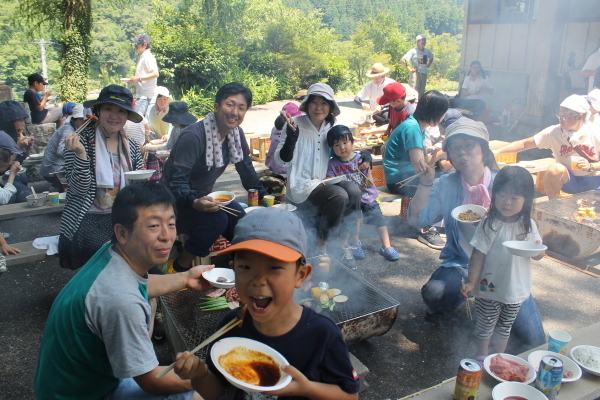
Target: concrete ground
<point>412,356</point>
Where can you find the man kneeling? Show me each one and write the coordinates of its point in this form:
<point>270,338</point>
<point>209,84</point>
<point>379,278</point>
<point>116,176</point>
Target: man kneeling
<point>96,343</point>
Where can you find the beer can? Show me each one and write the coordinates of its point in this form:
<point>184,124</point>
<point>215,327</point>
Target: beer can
<point>549,376</point>
<point>252,198</point>
<point>467,380</point>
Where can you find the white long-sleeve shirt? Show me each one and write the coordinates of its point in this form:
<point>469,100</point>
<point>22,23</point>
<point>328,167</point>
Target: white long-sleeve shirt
<point>6,193</point>
<point>310,158</point>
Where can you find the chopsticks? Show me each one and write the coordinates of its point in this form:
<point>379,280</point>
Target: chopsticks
<point>468,305</point>
<point>405,181</point>
<point>230,210</point>
<point>230,325</point>
<point>86,123</point>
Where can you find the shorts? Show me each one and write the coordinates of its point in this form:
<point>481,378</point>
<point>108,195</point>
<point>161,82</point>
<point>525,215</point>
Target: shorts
<point>578,184</point>
<point>129,389</point>
<point>372,214</point>
<point>491,315</point>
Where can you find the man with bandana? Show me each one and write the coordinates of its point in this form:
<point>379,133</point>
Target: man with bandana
<point>198,159</point>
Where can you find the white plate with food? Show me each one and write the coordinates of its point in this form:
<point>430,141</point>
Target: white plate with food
<point>469,213</point>
<point>222,278</point>
<point>516,390</point>
<point>333,181</point>
<point>571,371</point>
<point>508,368</point>
<point>286,206</point>
<point>588,358</point>
<point>222,196</point>
<point>250,365</point>
<point>524,248</point>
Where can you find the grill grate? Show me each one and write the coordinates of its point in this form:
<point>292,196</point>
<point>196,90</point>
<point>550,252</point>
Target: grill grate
<point>567,207</point>
<point>364,299</point>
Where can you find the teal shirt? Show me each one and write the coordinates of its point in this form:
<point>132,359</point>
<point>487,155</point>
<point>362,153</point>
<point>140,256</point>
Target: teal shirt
<point>86,327</point>
<point>396,160</point>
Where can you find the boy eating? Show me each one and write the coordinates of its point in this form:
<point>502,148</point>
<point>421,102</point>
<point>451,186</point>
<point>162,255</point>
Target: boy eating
<point>345,162</point>
<point>268,259</point>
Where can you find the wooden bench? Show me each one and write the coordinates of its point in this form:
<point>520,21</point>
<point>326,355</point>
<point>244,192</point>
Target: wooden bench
<point>28,254</point>
<point>19,210</point>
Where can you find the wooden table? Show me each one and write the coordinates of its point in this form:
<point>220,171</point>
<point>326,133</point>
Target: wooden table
<point>19,210</point>
<point>586,388</point>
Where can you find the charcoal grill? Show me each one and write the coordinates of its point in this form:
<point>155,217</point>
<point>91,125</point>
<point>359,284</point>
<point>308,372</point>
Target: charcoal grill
<point>563,231</point>
<point>368,311</point>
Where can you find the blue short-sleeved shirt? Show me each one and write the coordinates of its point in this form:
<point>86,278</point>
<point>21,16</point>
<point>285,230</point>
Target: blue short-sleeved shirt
<point>396,161</point>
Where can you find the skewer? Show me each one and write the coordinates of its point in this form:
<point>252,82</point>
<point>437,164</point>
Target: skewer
<point>229,326</point>
<point>91,118</point>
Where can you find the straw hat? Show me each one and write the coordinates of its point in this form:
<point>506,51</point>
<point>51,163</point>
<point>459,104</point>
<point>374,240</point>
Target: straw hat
<point>377,70</point>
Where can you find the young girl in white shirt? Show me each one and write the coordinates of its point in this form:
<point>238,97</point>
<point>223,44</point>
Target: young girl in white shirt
<point>499,280</point>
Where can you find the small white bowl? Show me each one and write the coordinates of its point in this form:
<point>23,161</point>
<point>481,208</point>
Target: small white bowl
<point>594,350</point>
<point>139,175</point>
<point>286,206</point>
<point>216,273</point>
<point>223,346</point>
<point>248,209</point>
<point>481,211</point>
<point>506,389</point>
<point>523,248</point>
<point>223,193</point>
<point>535,357</point>
<point>333,181</point>
<point>530,377</point>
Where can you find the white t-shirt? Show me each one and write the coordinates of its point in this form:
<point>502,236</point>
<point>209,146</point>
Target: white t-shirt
<point>505,278</point>
<point>146,64</point>
<point>419,58</point>
<point>555,139</point>
<point>475,85</point>
<point>372,91</point>
<point>592,64</point>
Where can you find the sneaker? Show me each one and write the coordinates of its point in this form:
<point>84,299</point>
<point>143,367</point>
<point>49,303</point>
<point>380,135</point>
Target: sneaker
<point>432,239</point>
<point>347,258</point>
<point>158,334</point>
<point>358,252</point>
<point>389,254</point>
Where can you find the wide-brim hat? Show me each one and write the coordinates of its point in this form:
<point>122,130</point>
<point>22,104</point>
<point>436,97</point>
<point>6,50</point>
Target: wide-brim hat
<point>377,70</point>
<point>119,96</point>
<point>323,90</point>
<point>10,110</point>
<point>270,231</point>
<point>178,114</point>
<point>475,129</point>
<point>391,91</point>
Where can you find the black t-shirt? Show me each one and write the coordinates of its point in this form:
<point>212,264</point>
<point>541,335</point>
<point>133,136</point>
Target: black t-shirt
<point>315,347</point>
<point>33,99</point>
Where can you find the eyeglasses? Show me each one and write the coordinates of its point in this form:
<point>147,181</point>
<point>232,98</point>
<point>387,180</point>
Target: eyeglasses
<point>466,147</point>
<point>565,117</point>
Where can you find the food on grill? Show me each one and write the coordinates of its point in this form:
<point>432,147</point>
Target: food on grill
<point>251,366</point>
<point>469,215</point>
<point>231,295</point>
<point>508,370</point>
<point>222,198</point>
<point>214,293</point>
<point>340,298</point>
<point>324,263</point>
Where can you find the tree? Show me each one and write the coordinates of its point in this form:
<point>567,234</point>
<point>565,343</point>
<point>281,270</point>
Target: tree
<point>73,22</point>
<point>446,51</point>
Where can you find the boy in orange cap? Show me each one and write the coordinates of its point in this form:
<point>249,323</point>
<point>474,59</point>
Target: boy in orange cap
<point>268,259</point>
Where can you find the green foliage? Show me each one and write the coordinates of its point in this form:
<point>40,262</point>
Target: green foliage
<point>264,88</point>
<point>446,50</point>
<point>200,101</point>
<point>442,85</point>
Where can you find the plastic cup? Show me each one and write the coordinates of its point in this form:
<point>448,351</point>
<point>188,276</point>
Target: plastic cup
<point>574,161</point>
<point>53,198</point>
<point>269,200</point>
<point>558,341</point>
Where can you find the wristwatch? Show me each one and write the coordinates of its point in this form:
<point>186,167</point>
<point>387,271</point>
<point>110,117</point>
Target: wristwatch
<point>140,80</point>
<point>591,168</point>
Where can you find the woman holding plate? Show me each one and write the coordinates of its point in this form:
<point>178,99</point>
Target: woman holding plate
<point>96,160</point>
<point>467,147</point>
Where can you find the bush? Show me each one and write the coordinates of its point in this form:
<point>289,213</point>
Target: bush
<point>200,102</point>
<point>442,85</point>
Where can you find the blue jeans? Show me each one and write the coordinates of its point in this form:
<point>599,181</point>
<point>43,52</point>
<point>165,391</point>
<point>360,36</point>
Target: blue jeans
<point>441,295</point>
<point>128,389</point>
<point>141,105</point>
<point>205,228</point>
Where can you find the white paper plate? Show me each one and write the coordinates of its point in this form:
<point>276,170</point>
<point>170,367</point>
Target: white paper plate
<point>530,373</point>
<point>535,357</point>
<point>524,248</point>
<point>473,207</point>
<point>216,273</point>
<point>286,206</point>
<point>333,181</point>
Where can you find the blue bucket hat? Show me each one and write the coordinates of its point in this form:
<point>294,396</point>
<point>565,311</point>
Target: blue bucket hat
<point>10,110</point>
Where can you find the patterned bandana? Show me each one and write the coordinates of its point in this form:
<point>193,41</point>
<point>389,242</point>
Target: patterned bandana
<point>214,155</point>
